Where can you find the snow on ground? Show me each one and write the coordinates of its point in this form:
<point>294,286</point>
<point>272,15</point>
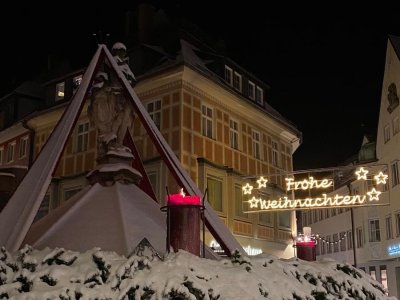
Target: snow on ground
<point>95,274</point>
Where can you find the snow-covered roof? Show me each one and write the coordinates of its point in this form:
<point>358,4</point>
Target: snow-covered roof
<point>114,218</point>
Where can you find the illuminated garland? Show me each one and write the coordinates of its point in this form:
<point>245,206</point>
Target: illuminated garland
<point>323,201</point>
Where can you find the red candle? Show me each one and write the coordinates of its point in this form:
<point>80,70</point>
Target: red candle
<point>182,199</point>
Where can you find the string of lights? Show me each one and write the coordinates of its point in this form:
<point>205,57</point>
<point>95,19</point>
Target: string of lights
<point>323,240</point>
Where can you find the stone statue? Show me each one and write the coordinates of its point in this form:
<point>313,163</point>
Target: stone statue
<point>111,113</point>
<point>393,99</point>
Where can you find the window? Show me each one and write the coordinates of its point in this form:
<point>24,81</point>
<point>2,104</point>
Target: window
<point>68,193</point>
<point>265,217</point>
<point>259,95</point>
<point>214,189</point>
<point>327,213</point>
<point>237,81</point>
<point>154,110</point>
<point>82,137</point>
<point>321,214</point>
<point>275,153</point>
<point>233,134</point>
<point>385,187</point>
<point>239,202</point>
<point>386,133</point>
<point>153,181</point>
<point>60,91</point>
<point>383,276</point>
<point>389,230</point>
<point>251,90</point>
<point>397,217</point>
<point>360,237</point>
<point>44,208</point>
<point>343,241</point>
<point>284,219</point>
<point>228,75</point>
<point>349,240</point>
<point>396,125</point>
<point>335,242</point>
<point>315,215</point>
<point>207,121</point>
<point>10,152</point>
<point>76,82</point>
<point>256,144</point>
<point>395,173</point>
<point>372,272</point>
<point>374,231</point>
<point>23,147</point>
<point>1,155</point>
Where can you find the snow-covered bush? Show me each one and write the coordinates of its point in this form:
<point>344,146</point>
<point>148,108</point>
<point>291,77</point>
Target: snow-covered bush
<point>95,274</point>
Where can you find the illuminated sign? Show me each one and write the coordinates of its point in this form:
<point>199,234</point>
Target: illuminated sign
<point>394,249</point>
<point>320,193</point>
<point>249,250</point>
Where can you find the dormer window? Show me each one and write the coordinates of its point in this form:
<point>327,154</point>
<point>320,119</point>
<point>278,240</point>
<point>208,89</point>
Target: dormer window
<point>228,75</point>
<point>251,90</point>
<point>259,95</point>
<point>237,82</point>
<point>60,91</point>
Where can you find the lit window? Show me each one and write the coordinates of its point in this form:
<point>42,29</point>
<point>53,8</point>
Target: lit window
<point>207,121</point>
<point>228,75</point>
<point>372,272</point>
<point>396,125</point>
<point>256,145</point>
<point>237,82</point>
<point>275,153</point>
<point>82,137</point>
<point>154,110</point>
<point>214,192</point>
<point>10,152</point>
<point>251,90</point>
<point>23,147</point>
<point>60,91</point>
<point>239,202</point>
<point>233,134</point>
<point>384,279</point>
<point>395,173</point>
<point>76,82</point>
<point>259,95</point>
<point>374,231</point>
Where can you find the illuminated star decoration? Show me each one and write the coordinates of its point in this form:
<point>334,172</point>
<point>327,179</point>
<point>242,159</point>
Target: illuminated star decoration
<point>362,174</point>
<point>262,182</point>
<point>253,202</point>
<point>374,194</point>
<point>381,178</point>
<point>247,189</point>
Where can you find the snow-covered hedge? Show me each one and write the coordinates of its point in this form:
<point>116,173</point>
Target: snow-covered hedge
<point>96,274</point>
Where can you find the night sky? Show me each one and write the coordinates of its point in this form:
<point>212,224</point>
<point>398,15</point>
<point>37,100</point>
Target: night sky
<point>325,68</point>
